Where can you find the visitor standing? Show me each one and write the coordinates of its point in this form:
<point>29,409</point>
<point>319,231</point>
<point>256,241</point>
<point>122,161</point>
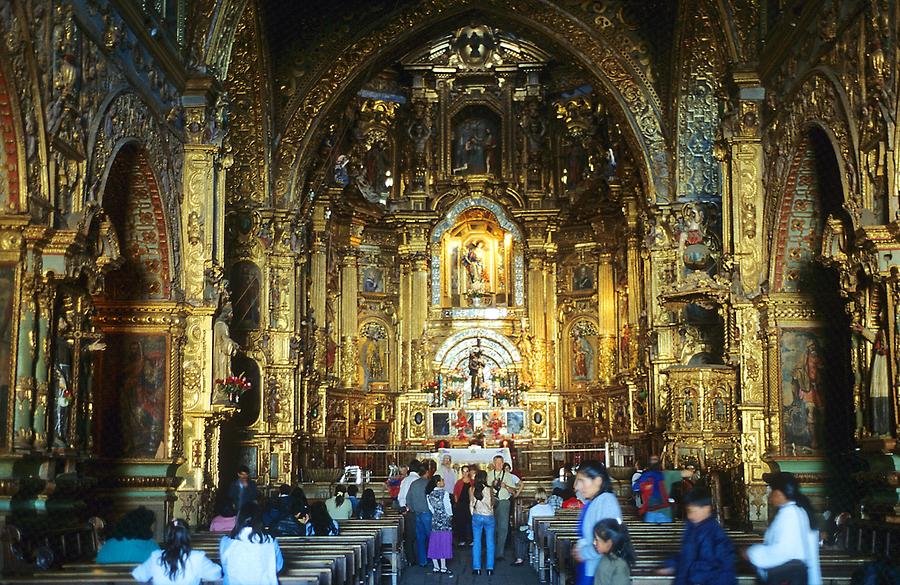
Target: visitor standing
<point>417,502</point>
<point>463,516</point>
<point>505,486</point>
<point>654,496</point>
<point>593,485</point>
<point>440,542</point>
<point>707,554</point>
<point>242,490</point>
<point>481,506</point>
<point>409,517</point>
<point>446,471</point>
<point>789,553</point>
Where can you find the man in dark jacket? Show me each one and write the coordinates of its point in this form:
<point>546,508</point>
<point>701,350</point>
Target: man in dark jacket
<point>707,554</point>
<point>242,490</point>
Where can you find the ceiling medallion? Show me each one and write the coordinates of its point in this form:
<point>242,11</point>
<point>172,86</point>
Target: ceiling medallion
<point>475,47</point>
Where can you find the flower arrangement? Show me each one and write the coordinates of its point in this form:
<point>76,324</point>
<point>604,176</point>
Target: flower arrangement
<point>461,424</point>
<point>451,395</point>
<point>503,394</point>
<point>233,387</point>
<point>431,387</point>
<point>495,424</point>
<point>523,387</point>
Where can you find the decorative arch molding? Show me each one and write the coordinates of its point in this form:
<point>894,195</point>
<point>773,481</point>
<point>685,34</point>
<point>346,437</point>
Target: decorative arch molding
<point>125,118</point>
<point>627,86</point>
<point>495,345</point>
<point>503,220</point>
<point>819,100</point>
<point>12,155</point>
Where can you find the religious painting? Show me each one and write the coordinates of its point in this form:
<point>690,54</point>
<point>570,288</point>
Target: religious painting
<point>7,301</point>
<point>134,386</point>
<point>583,278</point>
<point>373,354</point>
<point>476,142</point>
<point>373,279</point>
<point>575,164</point>
<point>803,380</point>
<point>244,281</point>
<point>515,422</point>
<point>583,349</point>
<point>440,423</point>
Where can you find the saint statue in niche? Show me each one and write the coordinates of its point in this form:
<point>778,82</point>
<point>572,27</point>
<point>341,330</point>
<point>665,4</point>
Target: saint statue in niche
<point>375,362</point>
<point>473,260</point>
<point>475,145</point>
<point>582,358</point>
<point>476,366</point>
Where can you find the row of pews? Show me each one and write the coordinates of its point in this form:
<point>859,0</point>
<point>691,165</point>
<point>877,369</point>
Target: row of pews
<point>365,552</point>
<point>654,543</point>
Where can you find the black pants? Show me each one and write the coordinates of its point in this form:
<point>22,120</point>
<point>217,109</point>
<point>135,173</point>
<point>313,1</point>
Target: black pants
<point>520,538</point>
<point>409,538</point>
<point>791,573</point>
<point>462,520</point>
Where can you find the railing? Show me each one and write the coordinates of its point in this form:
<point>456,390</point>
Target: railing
<point>549,459</point>
<point>378,458</point>
<point>880,539</point>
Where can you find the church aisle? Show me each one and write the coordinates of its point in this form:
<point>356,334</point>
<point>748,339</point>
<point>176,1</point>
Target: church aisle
<point>461,565</point>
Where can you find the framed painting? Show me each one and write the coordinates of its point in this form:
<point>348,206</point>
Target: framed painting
<point>803,376</point>
<point>583,278</point>
<point>133,390</point>
<point>373,279</point>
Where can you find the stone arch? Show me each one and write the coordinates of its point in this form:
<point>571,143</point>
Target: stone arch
<point>629,89</point>
<point>131,200</point>
<point>495,345</point>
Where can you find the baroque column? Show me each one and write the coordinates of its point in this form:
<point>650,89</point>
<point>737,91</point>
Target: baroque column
<point>606,312</point>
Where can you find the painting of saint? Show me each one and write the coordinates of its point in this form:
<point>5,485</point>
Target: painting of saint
<point>134,374</point>
<point>245,277</point>
<point>583,278</point>
<point>582,358</point>
<point>373,280</point>
<point>475,144</point>
<point>441,423</point>
<point>803,379</point>
<point>515,422</point>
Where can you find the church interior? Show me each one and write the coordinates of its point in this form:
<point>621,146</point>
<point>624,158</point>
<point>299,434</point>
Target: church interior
<point>300,236</point>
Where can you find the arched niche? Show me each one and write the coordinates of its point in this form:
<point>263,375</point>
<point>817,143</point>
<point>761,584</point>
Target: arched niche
<point>131,201</point>
<point>580,352</point>
<point>375,356</point>
<point>457,256</point>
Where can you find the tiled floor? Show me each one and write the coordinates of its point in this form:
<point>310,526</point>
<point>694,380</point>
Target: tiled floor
<point>461,565</point>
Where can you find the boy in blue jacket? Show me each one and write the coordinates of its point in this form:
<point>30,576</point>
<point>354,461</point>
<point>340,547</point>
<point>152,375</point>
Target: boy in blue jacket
<point>707,554</point>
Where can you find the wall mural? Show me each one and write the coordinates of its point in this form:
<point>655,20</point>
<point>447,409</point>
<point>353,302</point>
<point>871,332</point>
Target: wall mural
<point>803,376</point>
<point>133,385</point>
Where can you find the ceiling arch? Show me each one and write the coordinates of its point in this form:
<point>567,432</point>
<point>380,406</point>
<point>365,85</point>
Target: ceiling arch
<point>624,84</point>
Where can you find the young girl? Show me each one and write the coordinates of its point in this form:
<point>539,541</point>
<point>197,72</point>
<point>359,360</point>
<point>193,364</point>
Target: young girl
<point>249,555</point>
<point>369,508</point>
<point>319,522</point>
<point>440,543</point>
<point>176,562</point>
<point>612,543</point>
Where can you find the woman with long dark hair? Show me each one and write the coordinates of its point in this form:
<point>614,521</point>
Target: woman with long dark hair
<point>481,506</point>
<point>319,522</point>
<point>369,508</point>
<point>249,555</point>
<point>593,485</point>
<point>176,563</point>
<point>790,549</point>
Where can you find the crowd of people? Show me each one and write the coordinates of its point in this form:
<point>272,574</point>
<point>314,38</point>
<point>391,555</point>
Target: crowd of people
<point>472,508</point>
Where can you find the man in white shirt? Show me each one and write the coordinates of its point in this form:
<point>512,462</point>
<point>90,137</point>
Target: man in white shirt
<point>506,486</point>
<point>409,518</point>
<point>541,509</point>
<point>446,472</point>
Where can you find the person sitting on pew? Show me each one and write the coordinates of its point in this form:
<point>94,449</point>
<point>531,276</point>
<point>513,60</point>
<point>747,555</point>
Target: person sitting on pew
<point>224,520</point>
<point>555,500</point>
<point>571,500</point>
<point>249,555</point>
<point>339,507</point>
<point>352,492</point>
<point>369,508</point>
<point>278,507</point>
<point>707,554</point>
<point>131,540</point>
<point>318,522</point>
<point>283,522</point>
<point>612,542</point>
<point>593,484</point>
<point>300,502</point>
<point>177,563</point>
<point>541,509</point>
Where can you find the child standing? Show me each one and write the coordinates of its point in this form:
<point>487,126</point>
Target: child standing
<point>440,543</point>
<point>707,554</point>
<point>612,543</point>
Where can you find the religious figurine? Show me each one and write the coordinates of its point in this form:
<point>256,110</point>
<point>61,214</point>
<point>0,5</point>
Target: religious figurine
<point>476,364</point>
<point>374,363</point>
<point>879,382</point>
<point>224,348</point>
<point>473,260</point>
<point>341,176</point>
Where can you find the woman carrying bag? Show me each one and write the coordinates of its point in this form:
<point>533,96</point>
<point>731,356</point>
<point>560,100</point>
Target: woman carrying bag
<point>789,554</point>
